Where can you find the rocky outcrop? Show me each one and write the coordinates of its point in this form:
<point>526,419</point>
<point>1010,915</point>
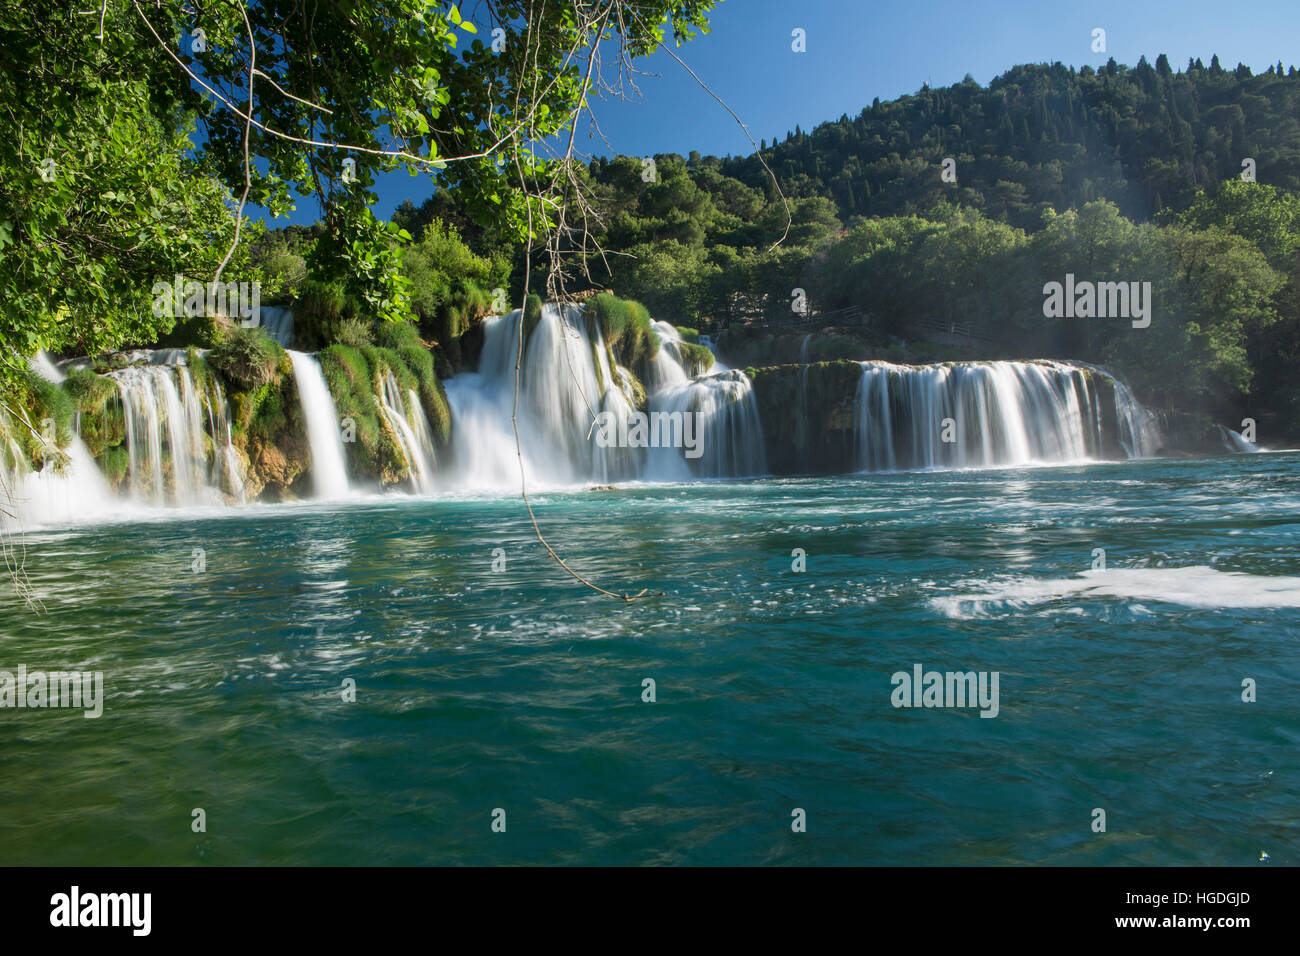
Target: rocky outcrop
<point>807,414</point>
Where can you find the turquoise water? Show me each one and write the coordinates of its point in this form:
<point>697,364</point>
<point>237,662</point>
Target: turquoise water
<point>519,690</point>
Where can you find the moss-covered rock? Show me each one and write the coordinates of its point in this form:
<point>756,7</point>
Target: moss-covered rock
<point>355,376</point>
<point>807,413</point>
<point>696,359</point>
<point>49,412</point>
<point>99,415</point>
<point>248,359</point>
<point>532,314</point>
<point>627,328</point>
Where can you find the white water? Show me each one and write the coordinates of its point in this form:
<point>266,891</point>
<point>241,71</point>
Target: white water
<point>406,418</point>
<point>1006,413</point>
<point>1196,586</point>
<point>730,435</point>
<point>567,379</point>
<point>58,493</point>
<point>177,439</point>
<point>1003,413</point>
<point>1236,442</point>
<point>329,473</point>
<point>67,488</point>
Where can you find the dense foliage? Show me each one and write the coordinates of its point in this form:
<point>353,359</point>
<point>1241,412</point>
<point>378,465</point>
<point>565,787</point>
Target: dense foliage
<point>134,129</point>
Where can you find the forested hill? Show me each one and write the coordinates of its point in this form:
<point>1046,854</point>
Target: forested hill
<point>1123,175</point>
<point>1144,137</point>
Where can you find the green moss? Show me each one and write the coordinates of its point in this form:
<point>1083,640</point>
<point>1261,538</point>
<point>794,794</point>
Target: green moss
<point>627,328</point>
<point>397,335</point>
<point>354,332</point>
<point>268,416</point>
<point>433,397</point>
<point>532,314</point>
<point>638,397</point>
<point>50,411</point>
<point>101,420</point>
<point>247,359</point>
<point>198,367</point>
<point>349,377</point>
<point>689,335</point>
<point>114,464</point>
<point>354,377</point>
<point>89,392</point>
<point>696,359</point>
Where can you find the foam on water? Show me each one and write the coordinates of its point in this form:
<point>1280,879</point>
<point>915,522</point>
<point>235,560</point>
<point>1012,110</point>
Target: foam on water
<point>1196,586</point>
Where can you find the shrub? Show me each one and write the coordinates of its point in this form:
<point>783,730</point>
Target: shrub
<point>353,332</point>
<point>247,359</point>
<point>89,392</point>
<point>317,312</point>
<point>396,335</point>
<point>41,401</point>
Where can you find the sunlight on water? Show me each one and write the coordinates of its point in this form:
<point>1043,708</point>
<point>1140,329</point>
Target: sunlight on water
<point>484,683</point>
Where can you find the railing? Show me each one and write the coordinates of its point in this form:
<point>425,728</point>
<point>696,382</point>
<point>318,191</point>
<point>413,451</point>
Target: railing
<point>944,327</point>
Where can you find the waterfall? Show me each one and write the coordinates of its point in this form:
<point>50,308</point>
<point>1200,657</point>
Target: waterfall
<point>1236,443</point>
<point>407,420</point>
<point>731,439</point>
<point>727,427</point>
<point>328,472</point>
<point>973,414</point>
<point>170,425</point>
<point>72,490</point>
<point>566,381</point>
<point>63,490</point>
<point>226,466</point>
<point>278,322</point>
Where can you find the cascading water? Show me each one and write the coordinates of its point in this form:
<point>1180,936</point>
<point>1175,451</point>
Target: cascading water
<point>566,381</point>
<point>66,490</point>
<point>177,438</point>
<point>1000,413</point>
<point>328,471</point>
<point>1237,443</point>
<point>407,420</point>
<point>724,409</point>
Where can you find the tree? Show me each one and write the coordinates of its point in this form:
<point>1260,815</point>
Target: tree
<point>282,95</point>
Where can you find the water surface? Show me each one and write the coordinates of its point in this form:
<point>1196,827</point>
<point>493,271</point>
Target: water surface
<point>518,689</point>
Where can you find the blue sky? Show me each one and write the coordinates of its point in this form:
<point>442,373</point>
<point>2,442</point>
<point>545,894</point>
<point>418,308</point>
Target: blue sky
<point>857,50</point>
